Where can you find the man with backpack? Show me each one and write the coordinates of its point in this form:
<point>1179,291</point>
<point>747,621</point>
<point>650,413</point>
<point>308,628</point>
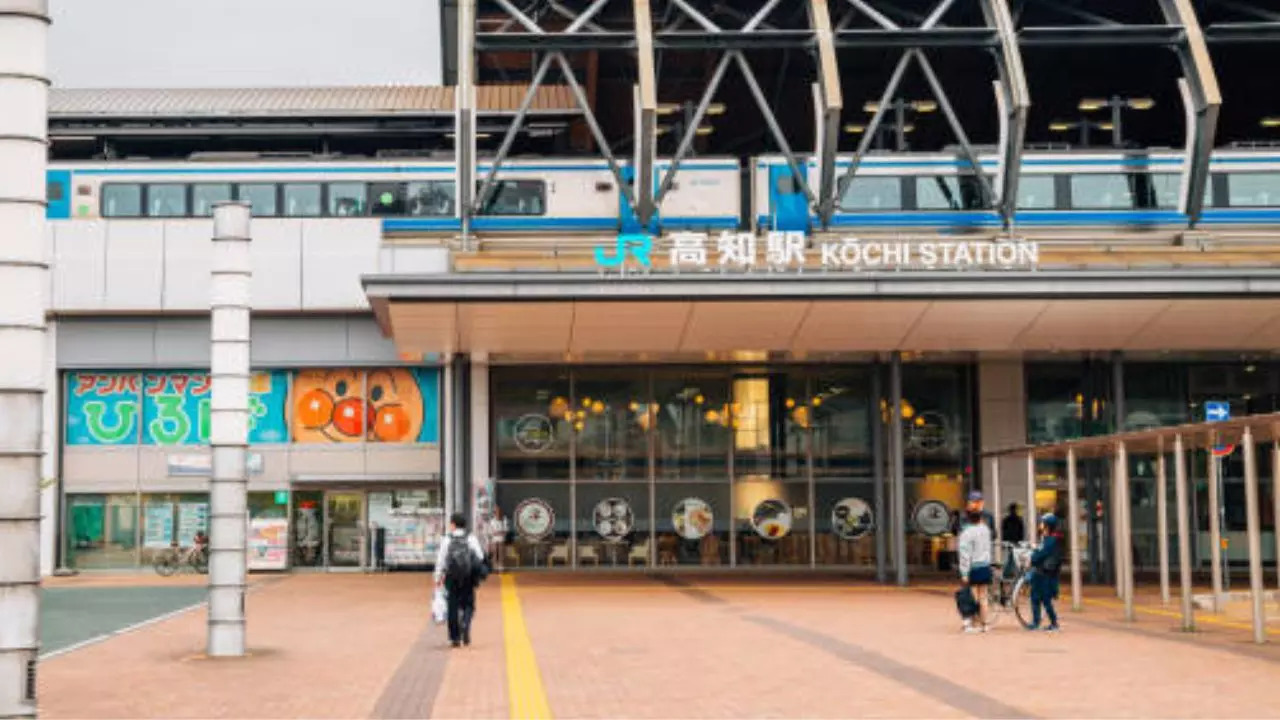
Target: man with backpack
<point>459,569</point>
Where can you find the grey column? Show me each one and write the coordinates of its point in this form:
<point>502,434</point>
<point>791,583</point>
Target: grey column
<point>998,550</point>
<point>1275,498</point>
<point>1073,525</point>
<point>1254,528</point>
<point>229,427</point>
<point>24,29</point>
<point>1125,530</point>
<point>1215,527</point>
<point>878,474</point>
<point>899,477</point>
<point>1184,533</point>
<point>1162,525</point>
<point>1033,515</point>
<point>460,445</point>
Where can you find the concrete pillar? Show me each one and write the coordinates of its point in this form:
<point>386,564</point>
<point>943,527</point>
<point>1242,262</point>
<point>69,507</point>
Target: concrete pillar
<point>1073,527</point>
<point>1215,530</point>
<point>1181,500</point>
<point>229,427</point>
<point>899,479</point>
<point>479,428</point>
<point>877,459</point>
<point>24,28</point>
<point>50,495</point>
<point>1124,530</point>
<point>1254,530</point>
<point>459,455</point>
<point>1002,424</point>
<point>1162,525</point>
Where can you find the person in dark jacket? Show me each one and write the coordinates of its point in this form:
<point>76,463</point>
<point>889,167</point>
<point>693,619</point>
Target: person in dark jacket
<point>1012,529</point>
<point>1046,563</point>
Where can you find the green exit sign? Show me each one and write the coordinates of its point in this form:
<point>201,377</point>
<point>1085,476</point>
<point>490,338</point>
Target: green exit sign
<point>282,497</point>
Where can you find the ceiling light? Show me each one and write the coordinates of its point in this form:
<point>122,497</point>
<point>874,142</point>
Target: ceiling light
<point>705,130</point>
<point>1270,122</point>
<point>668,108</point>
<point>1091,104</point>
<point>1060,126</point>
<point>715,109</point>
<point>871,106</point>
<point>924,106</point>
<point>855,128</point>
<point>1142,103</point>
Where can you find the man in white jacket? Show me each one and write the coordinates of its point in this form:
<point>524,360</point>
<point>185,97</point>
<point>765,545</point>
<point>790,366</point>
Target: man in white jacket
<point>459,568</point>
<point>975,566</point>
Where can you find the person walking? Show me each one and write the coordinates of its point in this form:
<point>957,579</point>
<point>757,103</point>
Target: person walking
<point>459,569</point>
<point>497,539</point>
<point>1046,563</point>
<point>1012,529</point>
<point>975,566</point>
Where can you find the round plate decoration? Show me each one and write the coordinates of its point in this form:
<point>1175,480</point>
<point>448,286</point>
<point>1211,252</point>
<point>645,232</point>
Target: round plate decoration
<point>772,519</point>
<point>692,518</point>
<point>534,433</point>
<point>851,518</point>
<point>613,519</point>
<point>932,518</point>
<point>535,519</point>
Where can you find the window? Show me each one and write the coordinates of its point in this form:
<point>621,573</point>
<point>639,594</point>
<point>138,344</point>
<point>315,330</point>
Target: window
<point>1111,191</point>
<point>121,200</point>
<point>169,200</point>
<point>1036,192</point>
<point>1254,189</point>
<point>261,198</point>
<point>204,196</point>
<point>1167,190</point>
<point>302,200</point>
<point>516,197</point>
<point>871,193</point>
<point>347,199</point>
<point>55,191</point>
<point>950,192</point>
<point>386,198</point>
<point>433,198</point>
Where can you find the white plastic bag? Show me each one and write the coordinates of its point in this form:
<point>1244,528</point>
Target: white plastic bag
<point>439,606</point>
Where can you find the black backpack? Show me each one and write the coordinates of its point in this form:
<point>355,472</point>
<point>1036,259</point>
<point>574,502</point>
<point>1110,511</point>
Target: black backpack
<point>460,563</point>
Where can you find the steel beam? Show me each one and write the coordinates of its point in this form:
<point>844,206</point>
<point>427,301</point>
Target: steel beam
<point>1095,35</point>
<point>646,113</point>
<point>1014,105</point>
<point>686,140</point>
<point>940,93</point>
<point>486,188</point>
<point>601,141</point>
<point>779,137</point>
<point>1243,32</point>
<point>831,106</point>
<point>1203,100</point>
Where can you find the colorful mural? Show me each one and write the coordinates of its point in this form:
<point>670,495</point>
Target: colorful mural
<point>395,405</point>
<point>380,405</point>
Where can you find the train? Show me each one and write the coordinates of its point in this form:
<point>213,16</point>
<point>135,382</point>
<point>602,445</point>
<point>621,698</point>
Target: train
<point>890,192</point>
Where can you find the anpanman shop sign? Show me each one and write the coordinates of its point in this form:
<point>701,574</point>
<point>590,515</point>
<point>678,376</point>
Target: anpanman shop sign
<point>792,251</point>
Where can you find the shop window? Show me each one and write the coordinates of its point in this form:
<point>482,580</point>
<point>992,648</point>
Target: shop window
<point>611,419</point>
<point>613,523</point>
<point>261,198</point>
<point>691,425</point>
<point>407,526</point>
<point>541,523</point>
<point>122,200</point>
<point>169,520</point>
<point>102,531</point>
<point>268,538</point>
<point>692,522</point>
<point>205,195</point>
<point>532,423</point>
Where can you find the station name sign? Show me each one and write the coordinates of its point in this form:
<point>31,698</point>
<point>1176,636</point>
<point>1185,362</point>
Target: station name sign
<point>781,251</point>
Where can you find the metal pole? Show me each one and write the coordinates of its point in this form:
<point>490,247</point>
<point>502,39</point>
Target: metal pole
<point>1255,537</point>
<point>1032,512</point>
<point>24,29</point>
<point>1162,525</point>
<point>1126,529</point>
<point>229,427</point>
<point>1184,533</point>
<point>1117,139</point>
<point>1073,527</point>
<point>900,117</point>
<point>899,477</point>
<point>1215,528</point>
<point>995,501</point>
<point>1275,499</point>
<point>877,458</point>
<point>1117,533</point>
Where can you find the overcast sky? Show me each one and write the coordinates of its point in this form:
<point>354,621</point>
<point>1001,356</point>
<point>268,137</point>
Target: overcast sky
<point>244,43</point>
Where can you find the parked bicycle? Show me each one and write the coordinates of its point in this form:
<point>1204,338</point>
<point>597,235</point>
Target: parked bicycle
<point>1010,590</point>
<point>175,558</point>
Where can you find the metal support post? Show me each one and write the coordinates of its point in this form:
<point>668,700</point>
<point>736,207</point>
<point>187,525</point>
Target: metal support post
<point>1033,515</point>
<point>899,478</point>
<point>1202,99</point>
<point>1254,529</point>
<point>1184,533</point>
<point>24,88</point>
<point>229,427</point>
<point>1275,497</point>
<point>460,445</point>
<point>1114,518</point>
<point>464,131</point>
<point>1215,528</point>
<point>830,102</point>
<point>995,502</point>
<point>1125,543</point>
<point>1162,525</point>
<point>646,101</point>
<point>1073,527</point>
<point>877,454</point>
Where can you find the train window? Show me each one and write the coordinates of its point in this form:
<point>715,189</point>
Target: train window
<point>55,191</point>
<point>261,198</point>
<point>950,192</point>
<point>347,199</point>
<point>871,193</point>
<point>434,198</point>
<point>1253,189</point>
<point>1036,192</point>
<point>516,197</point>
<point>386,198</point>
<point>302,199</point>
<point>121,200</point>
<point>205,195</point>
<point>167,200</point>
<point>1167,190</point>
<point>1111,191</point>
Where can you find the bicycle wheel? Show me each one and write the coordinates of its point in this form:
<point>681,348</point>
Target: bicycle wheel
<point>994,609</point>
<point>1021,601</point>
<point>166,564</point>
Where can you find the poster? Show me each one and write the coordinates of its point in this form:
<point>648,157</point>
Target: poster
<point>268,543</point>
<point>193,517</point>
<point>413,526</point>
<point>386,405</point>
<point>165,408</point>
<point>157,526</point>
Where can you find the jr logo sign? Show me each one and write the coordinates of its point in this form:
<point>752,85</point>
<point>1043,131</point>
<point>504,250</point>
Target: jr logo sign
<point>637,246</point>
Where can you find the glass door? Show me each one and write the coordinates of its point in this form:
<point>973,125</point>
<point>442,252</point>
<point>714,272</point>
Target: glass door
<point>344,516</point>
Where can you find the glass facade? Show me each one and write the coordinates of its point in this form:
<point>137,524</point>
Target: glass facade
<point>713,466</point>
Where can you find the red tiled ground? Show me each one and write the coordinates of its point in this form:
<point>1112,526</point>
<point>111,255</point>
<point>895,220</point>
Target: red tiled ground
<point>616,646</point>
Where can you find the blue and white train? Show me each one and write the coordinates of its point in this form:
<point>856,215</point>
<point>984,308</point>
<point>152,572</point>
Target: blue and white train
<point>889,193</point>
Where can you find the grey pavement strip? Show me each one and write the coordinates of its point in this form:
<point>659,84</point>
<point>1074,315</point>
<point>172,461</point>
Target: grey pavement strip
<point>411,692</point>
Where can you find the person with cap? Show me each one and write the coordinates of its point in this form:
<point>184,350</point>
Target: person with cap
<point>1046,562</point>
<point>977,505</point>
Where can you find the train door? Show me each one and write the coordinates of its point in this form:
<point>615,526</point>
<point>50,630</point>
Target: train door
<point>58,194</point>
<point>788,207</point>
<point>628,220</point>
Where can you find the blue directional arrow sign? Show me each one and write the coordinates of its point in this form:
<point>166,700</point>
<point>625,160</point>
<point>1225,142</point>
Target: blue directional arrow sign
<point>1217,411</point>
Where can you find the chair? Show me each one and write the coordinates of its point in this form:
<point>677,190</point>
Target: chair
<point>559,552</point>
<point>639,553</point>
<point>711,549</point>
<point>588,552</point>
<point>511,556</point>
<point>667,550</point>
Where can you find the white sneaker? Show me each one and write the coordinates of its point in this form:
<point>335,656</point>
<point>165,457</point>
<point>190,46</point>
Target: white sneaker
<point>971,630</point>
<point>986,628</point>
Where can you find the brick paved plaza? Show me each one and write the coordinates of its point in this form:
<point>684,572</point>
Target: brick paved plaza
<point>359,646</point>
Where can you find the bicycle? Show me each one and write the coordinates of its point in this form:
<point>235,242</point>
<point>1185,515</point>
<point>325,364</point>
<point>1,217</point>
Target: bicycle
<point>1010,589</point>
<point>169,561</point>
